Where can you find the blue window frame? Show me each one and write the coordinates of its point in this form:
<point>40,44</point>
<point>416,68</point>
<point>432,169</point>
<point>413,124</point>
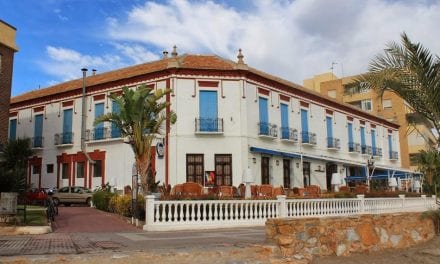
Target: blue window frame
<point>284,121</point>
<point>67,126</point>
<point>264,116</point>
<point>390,144</point>
<point>99,128</point>
<point>208,111</point>
<point>329,123</point>
<point>38,131</point>
<point>305,125</point>
<point>116,132</point>
<point>12,129</point>
<point>350,133</point>
<point>373,141</point>
<point>363,142</point>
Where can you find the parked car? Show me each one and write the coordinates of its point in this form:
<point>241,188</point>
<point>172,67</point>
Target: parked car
<point>73,195</point>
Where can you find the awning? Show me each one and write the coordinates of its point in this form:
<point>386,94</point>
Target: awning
<point>274,152</point>
<point>385,172</point>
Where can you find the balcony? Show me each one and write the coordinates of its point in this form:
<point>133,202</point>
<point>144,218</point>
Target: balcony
<point>394,155</point>
<point>333,143</point>
<point>209,126</point>
<point>354,147</point>
<point>267,130</point>
<point>289,134</point>
<point>308,138</point>
<point>377,152</point>
<point>63,138</point>
<point>366,150</point>
<point>102,133</point>
<point>37,142</point>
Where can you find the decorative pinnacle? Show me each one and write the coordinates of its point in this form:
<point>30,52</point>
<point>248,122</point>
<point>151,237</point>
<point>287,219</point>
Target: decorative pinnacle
<point>240,57</point>
<point>174,53</point>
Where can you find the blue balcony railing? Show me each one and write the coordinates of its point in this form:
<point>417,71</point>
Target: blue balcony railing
<point>394,155</point>
<point>37,142</point>
<point>64,138</point>
<point>209,125</point>
<point>377,152</point>
<point>354,147</point>
<point>366,150</point>
<point>333,143</point>
<point>267,129</point>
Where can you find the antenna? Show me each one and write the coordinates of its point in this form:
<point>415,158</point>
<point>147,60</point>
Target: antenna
<point>333,66</point>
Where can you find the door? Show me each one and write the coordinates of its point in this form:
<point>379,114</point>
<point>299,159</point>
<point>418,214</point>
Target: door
<point>265,170</point>
<point>286,173</point>
<point>330,168</point>
<point>223,169</point>
<point>306,173</point>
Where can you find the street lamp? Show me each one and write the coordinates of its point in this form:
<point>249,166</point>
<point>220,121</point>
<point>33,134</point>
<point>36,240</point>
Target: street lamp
<point>134,190</point>
<point>370,165</point>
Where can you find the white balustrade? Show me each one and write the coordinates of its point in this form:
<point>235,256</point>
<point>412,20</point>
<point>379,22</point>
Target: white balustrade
<point>205,214</point>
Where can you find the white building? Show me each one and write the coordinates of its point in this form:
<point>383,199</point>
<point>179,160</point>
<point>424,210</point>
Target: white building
<point>230,117</point>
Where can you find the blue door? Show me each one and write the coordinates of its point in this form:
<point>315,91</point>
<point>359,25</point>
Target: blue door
<point>329,122</point>
<point>373,141</point>
<point>284,121</point>
<point>264,116</point>
<point>13,129</point>
<point>363,143</point>
<point>390,146</point>
<point>350,136</point>
<point>115,131</point>
<point>208,111</point>
<point>305,126</point>
<point>38,131</point>
<point>67,127</point>
<point>99,128</point>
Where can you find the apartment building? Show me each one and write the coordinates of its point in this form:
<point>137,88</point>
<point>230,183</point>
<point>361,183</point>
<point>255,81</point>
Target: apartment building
<point>413,137</point>
<point>230,118</point>
<point>8,47</point>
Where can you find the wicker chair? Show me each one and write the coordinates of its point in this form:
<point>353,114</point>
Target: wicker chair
<point>312,191</point>
<point>265,190</point>
<point>278,191</point>
<point>191,189</point>
<point>225,191</point>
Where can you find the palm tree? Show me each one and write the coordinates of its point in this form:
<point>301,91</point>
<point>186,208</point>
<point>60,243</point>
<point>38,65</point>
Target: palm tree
<point>13,165</point>
<point>141,118</point>
<point>412,72</point>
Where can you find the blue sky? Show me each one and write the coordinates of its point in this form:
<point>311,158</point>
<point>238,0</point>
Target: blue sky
<point>292,39</point>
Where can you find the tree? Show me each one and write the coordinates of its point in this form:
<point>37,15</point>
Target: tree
<point>141,118</point>
<point>14,165</point>
<point>412,72</point>
<point>429,165</point>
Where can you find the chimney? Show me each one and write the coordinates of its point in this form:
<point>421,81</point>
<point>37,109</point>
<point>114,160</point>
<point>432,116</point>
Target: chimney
<point>93,72</point>
<point>165,54</point>
<point>174,53</point>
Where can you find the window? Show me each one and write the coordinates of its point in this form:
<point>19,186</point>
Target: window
<point>265,170</point>
<point>286,173</point>
<point>373,141</point>
<point>306,173</point>
<point>354,88</point>
<point>284,109</point>
<point>329,124</point>
<point>36,169</point>
<point>38,132</point>
<point>97,168</point>
<point>414,159</point>
<point>65,171</point>
<point>67,127</point>
<point>208,111</point>
<point>350,133</point>
<point>12,129</point>
<point>264,116</point>
<point>49,168</point>
<point>80,170</point>
<point>387,103</point>
<point>223,169</point>
<point>64,190</point>
<point>331,93</point>
<point>305,125</point>
<point>115,133</point>
<point>99,128</point>
<point>194,168</point>
<point>365,105</point>
<point>363,141</point>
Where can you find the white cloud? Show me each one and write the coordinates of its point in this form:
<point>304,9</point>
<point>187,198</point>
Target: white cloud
<point>291,39</point>
<point>66,64</point>
<point>137,53</point>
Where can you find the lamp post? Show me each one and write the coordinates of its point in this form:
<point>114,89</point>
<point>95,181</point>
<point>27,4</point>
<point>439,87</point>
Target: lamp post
<point>370,165</point>
<point>134,190</point>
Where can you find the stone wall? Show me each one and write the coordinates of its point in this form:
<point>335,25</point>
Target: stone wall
<point>341,236</point>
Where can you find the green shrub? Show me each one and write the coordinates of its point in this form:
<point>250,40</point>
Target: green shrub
<point>101,200</point>
<point>121,205</point>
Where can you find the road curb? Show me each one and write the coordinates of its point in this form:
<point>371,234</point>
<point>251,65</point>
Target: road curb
<point>25,230</point>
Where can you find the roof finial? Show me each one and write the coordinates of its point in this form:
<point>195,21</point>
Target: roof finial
<point>240,57</point>
<point>165,54</point>
<point>174,53</point>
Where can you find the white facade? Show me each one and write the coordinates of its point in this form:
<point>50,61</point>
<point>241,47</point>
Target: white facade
<point>237,137</point>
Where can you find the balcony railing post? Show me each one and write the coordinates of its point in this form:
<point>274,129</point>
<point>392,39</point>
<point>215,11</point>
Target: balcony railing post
<point>361,198</point>
<point>281,199</point>
<point>149,212</point>
<point>402,198</point>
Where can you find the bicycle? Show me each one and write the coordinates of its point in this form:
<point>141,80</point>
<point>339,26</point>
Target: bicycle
<point>52,207</point>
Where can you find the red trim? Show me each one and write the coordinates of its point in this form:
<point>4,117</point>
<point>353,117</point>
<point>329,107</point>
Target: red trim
<point>38,109</point>
<point>151,85</point>
<point>349,118</point>
<point>68,103</point>
<point>73,172</point>
<point>58,174</point>
<point>13,114</point>
<point>98,97</point>
<point>34,161</point>
<point>303,104</point>
<point>328,112</point>
<point>373,125</point>
<point>90,175</point>
<point>153,160</point>
<point>362,122</point>
<point>284,98</point>
<point>117,93</point>
<point>167,131</point>
<point>263,91</point>
<point>208,84</point>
